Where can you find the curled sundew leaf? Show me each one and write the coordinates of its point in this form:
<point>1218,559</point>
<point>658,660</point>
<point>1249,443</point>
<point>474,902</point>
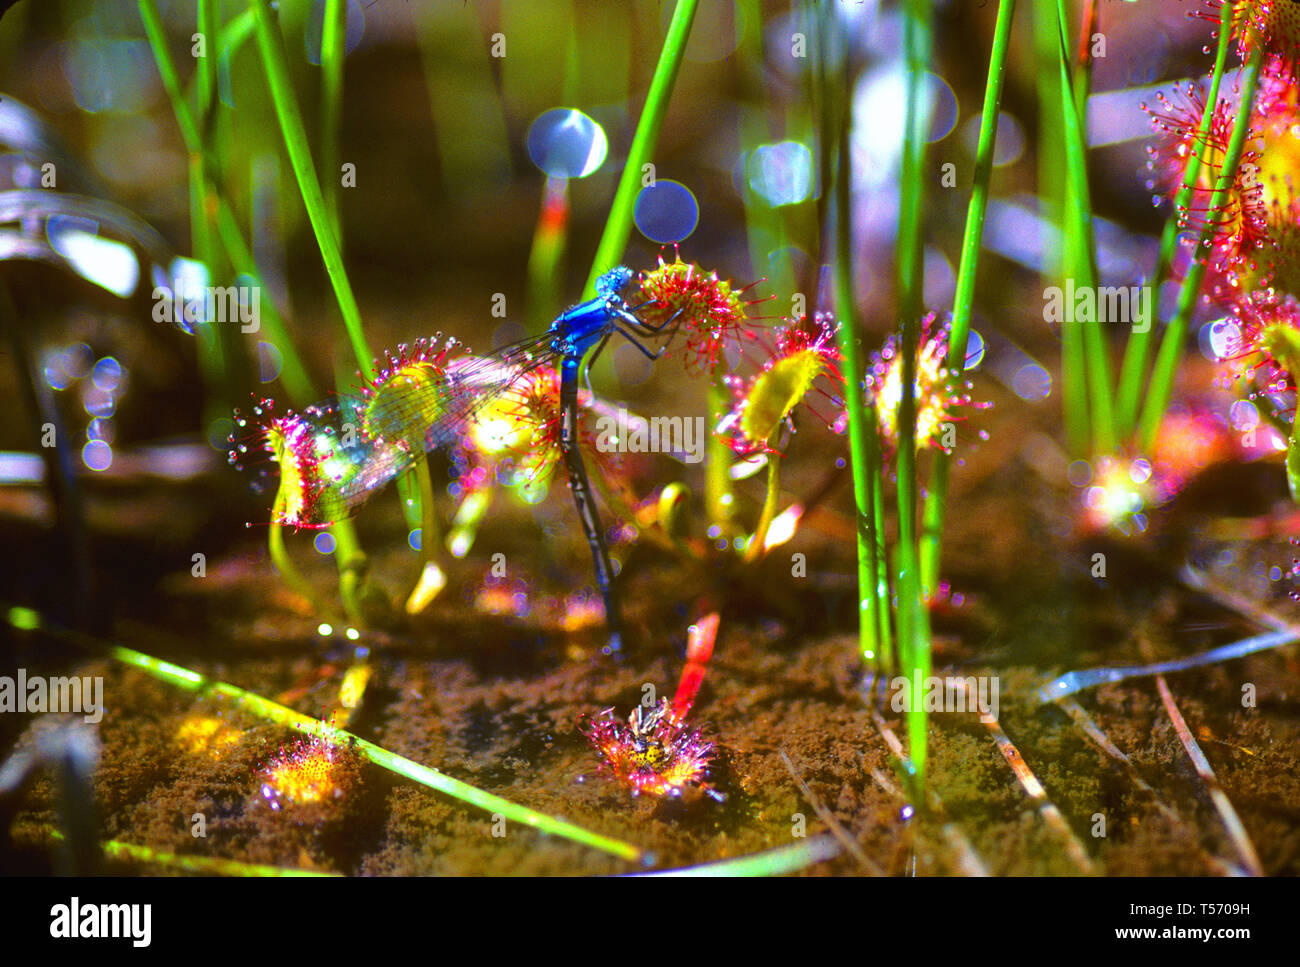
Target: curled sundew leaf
<point>410,394</point>
<point>799,357</point>
<point>1260,341</point>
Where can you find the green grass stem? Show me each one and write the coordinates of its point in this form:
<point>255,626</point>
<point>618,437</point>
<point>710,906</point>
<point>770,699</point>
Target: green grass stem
<point>967,272</point>
<point>264,708</point>
<point>213,345</point>
<point>755,548</point>
<point>294,373</point>
<point>913,633</point>
<point>332,51</point>
<point>618,226</point>
<point>1080,248</point>
<point>1171,346</point>
<point>123,852</point>
<point>276,67</point>
<point>1133,374</point>
<point>1052,180</point>
<point>865,459</point>
<point>772,862</point>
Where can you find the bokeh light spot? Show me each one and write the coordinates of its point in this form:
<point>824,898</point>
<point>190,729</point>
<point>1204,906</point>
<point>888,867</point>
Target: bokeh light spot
<point>107,375</point>
<point>565,143</point>
<point>781,173</point>
<point>269,361</point>
<point>666,212</point>
<point>97,455</point>
<point>1031,382</point>
<point>974,350</point>
<point>315,27</point>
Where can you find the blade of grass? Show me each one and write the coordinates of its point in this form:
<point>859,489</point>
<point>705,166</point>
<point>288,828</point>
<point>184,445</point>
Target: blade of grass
<point>913,632</point>
<point>837,829</point>
<point>332,52</point>
<point>772,862</point>
<point>757,542</point>
<point>874,633</point>
<point>618,226</point>
<point>1231,821</point>
<point>968,270</point>
<point>1035,790</point>
<point>123,852</point>
<point>289,572</point>
<point>432,580</point>
<point>213,344</point>
<point>1051,197</point>
<point>157,37</point>
<point>293,373</point>
<point>1161,388</point>
<point>275,66</point>
<point>1081,249</point>
<point>1133,373</point>
<point>351,560</point>
<point>254,704</point>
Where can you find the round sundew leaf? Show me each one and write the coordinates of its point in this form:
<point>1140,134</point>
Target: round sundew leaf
<point>402,406</point>
<point>777,391</point>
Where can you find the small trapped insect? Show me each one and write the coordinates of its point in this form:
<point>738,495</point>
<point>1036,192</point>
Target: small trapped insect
<point>655,752</point>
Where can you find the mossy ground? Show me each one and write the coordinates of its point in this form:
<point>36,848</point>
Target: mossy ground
<point>496,701</point>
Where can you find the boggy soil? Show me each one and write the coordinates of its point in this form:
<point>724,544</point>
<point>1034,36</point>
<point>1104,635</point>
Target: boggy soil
<point>496,701</point>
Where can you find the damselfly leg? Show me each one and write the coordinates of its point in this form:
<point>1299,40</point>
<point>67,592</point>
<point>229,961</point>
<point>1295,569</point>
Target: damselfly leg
<point>582,332</point>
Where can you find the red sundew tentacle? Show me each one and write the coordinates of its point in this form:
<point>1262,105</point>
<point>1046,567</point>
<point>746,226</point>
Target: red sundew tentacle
<point>1264,326</point>
<point>1241,230</point>
<point>312,771</point>
<point>300,444</point>
<point>410,391</point>
<point>1274,23</point>
<point>706,309</point>
<point>699,649</point>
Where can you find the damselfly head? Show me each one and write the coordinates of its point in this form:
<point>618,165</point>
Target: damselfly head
<point>613,282</point>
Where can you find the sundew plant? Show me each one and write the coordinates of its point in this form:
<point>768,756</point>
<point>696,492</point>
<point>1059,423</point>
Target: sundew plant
<point>730,437</point>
